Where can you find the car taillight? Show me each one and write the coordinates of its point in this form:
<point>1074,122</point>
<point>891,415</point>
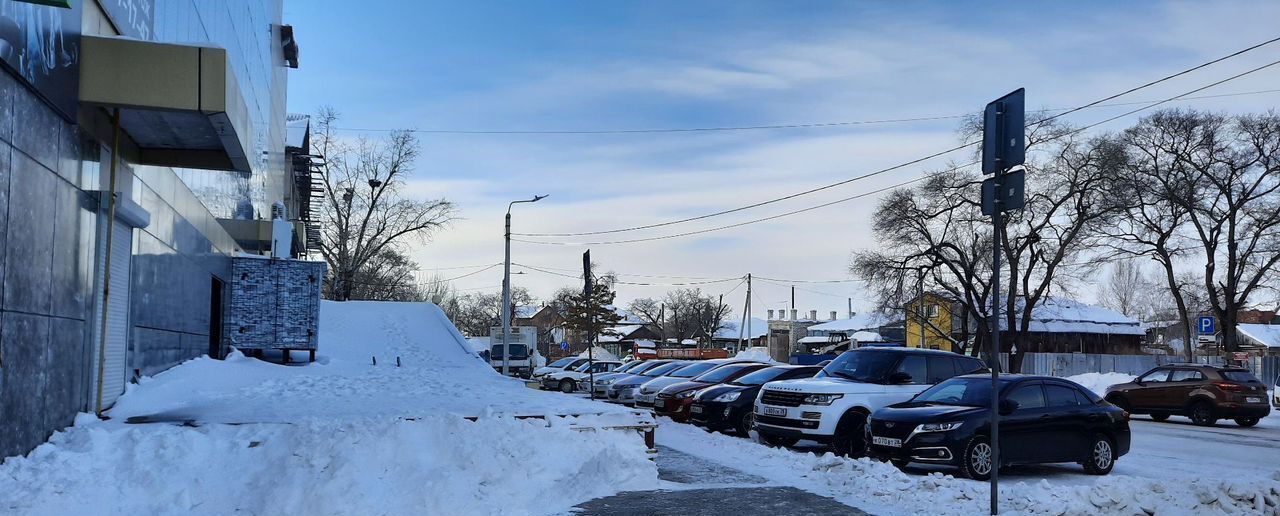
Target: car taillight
<point>1229,386</point>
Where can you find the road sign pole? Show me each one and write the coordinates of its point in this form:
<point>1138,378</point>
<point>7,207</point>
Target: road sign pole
<point>1003,147</point>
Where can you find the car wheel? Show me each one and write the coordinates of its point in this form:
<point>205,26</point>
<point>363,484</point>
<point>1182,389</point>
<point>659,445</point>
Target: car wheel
<point>1159,417</point>
<point>566,385</point>
<point>1102,456</point>
<point>850,439</point>
<point>977,458</point>
<point>1246,421</point>
<point>778,441</point>
<point>1202,414</point>
<point>748,422</point>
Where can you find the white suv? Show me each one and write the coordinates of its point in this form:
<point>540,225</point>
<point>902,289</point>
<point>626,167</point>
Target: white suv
<point>833,406</point>
<point>569,380</point>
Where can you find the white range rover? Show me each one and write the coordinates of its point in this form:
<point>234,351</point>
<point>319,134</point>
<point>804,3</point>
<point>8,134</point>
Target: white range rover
<point>833,406</point>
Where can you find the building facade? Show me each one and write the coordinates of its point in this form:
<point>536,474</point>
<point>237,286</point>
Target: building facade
<point>135,137</point>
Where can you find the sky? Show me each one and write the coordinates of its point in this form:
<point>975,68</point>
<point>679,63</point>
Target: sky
<point>626,65</point>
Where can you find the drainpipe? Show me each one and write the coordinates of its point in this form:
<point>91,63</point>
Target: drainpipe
<point>106,269</point>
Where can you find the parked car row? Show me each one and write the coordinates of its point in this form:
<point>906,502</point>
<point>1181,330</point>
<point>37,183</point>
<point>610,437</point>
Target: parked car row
<point>917,406</point>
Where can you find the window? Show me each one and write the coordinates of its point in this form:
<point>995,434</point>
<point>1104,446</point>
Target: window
<point>1028,396</point>
<point>941,368</point>
<point>933,311</point>
<point>1186,375</point>
<point>1061,396</point>
<point>968,365</point>
<point>1159,375</point>
<point>1240,375</point>
<point>915,366</point>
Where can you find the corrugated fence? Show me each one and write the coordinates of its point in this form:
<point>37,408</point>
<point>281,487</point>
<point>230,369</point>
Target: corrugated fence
<point>1267,368</point>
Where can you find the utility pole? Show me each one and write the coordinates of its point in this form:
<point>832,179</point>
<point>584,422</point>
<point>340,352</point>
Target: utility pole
<point>588,294</point>
<point>747,312</point>
<point>506,289</point>
<point>746,315</point>
<point>1003,147</point>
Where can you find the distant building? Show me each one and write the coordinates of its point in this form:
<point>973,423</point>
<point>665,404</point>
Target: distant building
<point>1060,325</point>
<point>727,336</point>
<point>1259,338</point>
<point>856,330</point>
<point>936,321</point>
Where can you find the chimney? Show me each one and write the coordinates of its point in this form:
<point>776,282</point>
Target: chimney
<point>793,314</point>
<point>770,315</point>
<point>813,315</point>
<point>833,315</point>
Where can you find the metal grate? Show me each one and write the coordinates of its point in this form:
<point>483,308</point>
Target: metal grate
<point>782,399</point>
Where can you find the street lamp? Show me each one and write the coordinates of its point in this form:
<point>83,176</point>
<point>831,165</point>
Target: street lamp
<point>506,289</point>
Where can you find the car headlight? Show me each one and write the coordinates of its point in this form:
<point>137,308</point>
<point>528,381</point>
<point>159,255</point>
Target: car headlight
<point>728,397</point>
<point>821,399</point>
<point>686,394</point>
<point>606,381</point>
<point>939,427</point>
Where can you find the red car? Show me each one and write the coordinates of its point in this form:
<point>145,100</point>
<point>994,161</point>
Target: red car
<point>674,400</point>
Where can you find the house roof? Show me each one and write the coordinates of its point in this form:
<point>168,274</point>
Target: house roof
<point>1061,315</point>
<point>1264,334</point>
<point>618,332</point>
<point>860,336</point>
<point>867,321</point>
<point>526,311</point>
<point>759,328</point>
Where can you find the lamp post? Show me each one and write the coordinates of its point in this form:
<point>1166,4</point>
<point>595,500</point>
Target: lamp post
<point>506,289</point>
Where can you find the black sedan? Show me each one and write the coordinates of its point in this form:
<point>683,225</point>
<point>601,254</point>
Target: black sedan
<point>1042,420</point>
<point>729,406</point>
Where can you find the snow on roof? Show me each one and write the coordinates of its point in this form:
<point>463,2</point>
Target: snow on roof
<point>859,336</point>
<point>1061,315</point>
<point>865,321</point>
<point>759,328</point>
<point>644,343</point>
<point>627,316</point>
<point>617,333</point>
<point>296,127</point>
<point>1265,334</point>
<point>526,311</point>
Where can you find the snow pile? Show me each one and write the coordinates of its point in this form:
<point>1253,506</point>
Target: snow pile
<point>881,488</point>
<point>599,353</point>
<point>1098,382</point>
<point>755,354</point>
<point>362,466</point>
<point>353,433</point>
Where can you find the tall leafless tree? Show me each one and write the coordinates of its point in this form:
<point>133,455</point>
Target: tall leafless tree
<point>365,214</point>
<point>1128,290</point>
<point>1224,172</point>
<point>684,313</point>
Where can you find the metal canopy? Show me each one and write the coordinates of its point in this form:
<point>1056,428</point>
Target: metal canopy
<point>181,104</point>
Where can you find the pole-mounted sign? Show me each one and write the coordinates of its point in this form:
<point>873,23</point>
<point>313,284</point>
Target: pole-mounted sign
<point>1003,147</point>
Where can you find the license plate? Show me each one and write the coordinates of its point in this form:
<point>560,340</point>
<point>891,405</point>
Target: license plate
<point>1253,399</point>
<point>645,398</point>
<point>886,441</point>
<point>696,409</point>
<point>774,411</point>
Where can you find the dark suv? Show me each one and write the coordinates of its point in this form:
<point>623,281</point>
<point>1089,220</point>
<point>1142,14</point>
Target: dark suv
<point>1203,393</point>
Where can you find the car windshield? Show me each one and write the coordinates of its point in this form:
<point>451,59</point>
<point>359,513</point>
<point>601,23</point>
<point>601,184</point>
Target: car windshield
<point>627,367</point>
<point>1239,375</point>
<point>561,363</point>
<point>663,369</point>
<point>518,351</point>
<point>862,366</point>
<point>640,369</point>
<point>722,373</point>
<point>969,392</point>
<point>760,377</point>
<point>693,369</point>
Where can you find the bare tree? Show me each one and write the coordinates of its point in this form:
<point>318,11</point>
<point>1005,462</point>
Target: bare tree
<point>1127,290</point>
<point>1225,173</point>
<point>475,313</point>
<point>684,313</point>
<point>365,214</point>
<point>387,276</point>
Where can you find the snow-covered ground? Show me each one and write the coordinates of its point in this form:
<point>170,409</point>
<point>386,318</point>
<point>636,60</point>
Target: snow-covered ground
<point>340,436</point>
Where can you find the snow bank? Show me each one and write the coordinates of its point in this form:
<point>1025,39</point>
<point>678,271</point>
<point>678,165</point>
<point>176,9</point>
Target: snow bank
<point>599,353</point>
<point>340,436</point>
<point>880,488</point>
<point>1098,382</point>
<point>373,466</point>
<point>756,354</point>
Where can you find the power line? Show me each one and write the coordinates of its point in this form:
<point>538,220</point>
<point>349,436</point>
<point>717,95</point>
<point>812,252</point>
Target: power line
<point>632,283</point>
<point>921,159</point>
<point>471,273</point>
<point>904,183</point>
<point>807,125</point>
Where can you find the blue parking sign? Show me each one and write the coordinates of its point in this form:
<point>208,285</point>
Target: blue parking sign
<point>1208,325</point>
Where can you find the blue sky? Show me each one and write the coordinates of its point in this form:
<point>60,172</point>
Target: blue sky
<point>590,65</point>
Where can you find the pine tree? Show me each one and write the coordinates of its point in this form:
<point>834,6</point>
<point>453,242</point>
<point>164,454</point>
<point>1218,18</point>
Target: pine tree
<point>595,314</point>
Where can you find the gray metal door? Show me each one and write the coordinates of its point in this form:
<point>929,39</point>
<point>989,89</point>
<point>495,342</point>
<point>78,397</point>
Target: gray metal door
<point>116,349</point>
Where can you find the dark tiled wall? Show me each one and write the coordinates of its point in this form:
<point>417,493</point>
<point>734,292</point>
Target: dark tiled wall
<point>48,255</point>
<point>46,240</point>
<point>275,304</point>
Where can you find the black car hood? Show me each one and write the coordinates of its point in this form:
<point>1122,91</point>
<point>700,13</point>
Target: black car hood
<point>711,392</point>
<point>684,386</point>
<point>924,412</point>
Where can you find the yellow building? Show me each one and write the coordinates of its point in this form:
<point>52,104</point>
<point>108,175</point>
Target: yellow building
<point>931,316</point>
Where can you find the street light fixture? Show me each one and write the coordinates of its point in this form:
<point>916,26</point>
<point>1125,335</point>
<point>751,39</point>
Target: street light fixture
<point>506,289</point>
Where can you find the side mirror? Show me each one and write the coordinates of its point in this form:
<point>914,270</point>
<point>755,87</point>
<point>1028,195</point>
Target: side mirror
<point>899,377</point>
<point>1139,383</point>
<point>1008,406</point>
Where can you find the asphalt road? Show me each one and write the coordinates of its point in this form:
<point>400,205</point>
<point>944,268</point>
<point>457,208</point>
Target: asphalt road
<point>698,487</point>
